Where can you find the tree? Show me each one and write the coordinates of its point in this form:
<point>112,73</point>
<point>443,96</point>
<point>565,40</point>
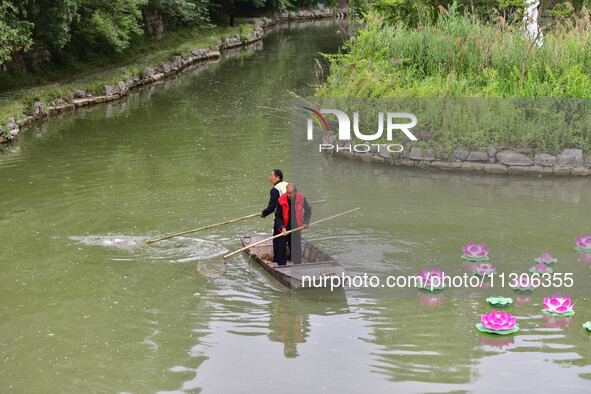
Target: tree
<point>113,22</point>
<point>183,12</point>
<point>275,5</point>
<point>53,20</point>
<point>15,31</point>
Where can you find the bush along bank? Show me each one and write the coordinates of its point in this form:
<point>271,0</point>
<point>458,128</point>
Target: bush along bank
<point>570,162</point>
<point>28,108</point>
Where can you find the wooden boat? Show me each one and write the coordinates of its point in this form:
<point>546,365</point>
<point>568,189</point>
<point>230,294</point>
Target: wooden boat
<point>315,271</point>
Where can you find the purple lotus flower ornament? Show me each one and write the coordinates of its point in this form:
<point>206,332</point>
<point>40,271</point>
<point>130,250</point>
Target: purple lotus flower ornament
<point>484,269</point>
<point>474,252</point>
<point>541,268</point>
<point>431,280</point>
<point>583,243</point>
<point>547,259</point>
<point>496,322</point>
<point>558,306</point>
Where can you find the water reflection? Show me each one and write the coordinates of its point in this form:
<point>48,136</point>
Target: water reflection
<point>497,341</point>
<point>557,321</point>
<point>431,301</point>
<point>289,321</point>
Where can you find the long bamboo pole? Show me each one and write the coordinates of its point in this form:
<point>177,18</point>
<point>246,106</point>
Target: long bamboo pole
<point>214,225</point>
<point>288,232</point>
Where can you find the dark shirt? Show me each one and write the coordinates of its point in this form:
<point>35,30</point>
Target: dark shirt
<point>274,197</point>
<point>279,215</point>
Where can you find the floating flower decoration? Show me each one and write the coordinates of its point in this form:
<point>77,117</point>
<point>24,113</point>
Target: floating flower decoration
<point>524,283</point>
<point>587,326</point>
<point>484,269</point>
<point>546,258</point>
<point>431,280</point>
<point>558,306</point>
<point>474,252</point>
<point>496,322</point>
<point>583,243</point>
<point>541,268</point>
<point>557,321</point>
<point>500,301</point>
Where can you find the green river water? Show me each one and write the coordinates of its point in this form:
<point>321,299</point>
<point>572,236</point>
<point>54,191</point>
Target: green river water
<point>82,312</point>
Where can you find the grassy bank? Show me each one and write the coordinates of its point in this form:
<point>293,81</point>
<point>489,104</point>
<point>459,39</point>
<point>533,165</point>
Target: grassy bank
<point>153,54</point>
<point>460,56</point>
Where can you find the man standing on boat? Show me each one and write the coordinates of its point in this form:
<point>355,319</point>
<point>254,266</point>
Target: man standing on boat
<point>293,210</point>
<point>279,188</point>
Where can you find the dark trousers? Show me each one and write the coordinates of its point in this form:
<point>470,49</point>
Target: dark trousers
<point>294,240</point>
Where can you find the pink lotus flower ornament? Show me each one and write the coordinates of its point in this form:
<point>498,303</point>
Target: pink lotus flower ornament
<point>484,269</point>
<point>546,258</point>
<point>558,306</point>
<point>583,243</point>
<point>496,322</point>
<point>541,268</point>
<point>474,252</point>
<point>431,280</point>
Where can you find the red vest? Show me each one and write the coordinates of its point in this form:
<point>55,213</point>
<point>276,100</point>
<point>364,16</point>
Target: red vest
<point>299,208</point>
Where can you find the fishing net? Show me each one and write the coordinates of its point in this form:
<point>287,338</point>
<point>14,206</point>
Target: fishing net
<point>212,267</point>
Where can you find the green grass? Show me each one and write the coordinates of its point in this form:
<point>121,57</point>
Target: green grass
<point>460,56</point>
<point>20,104</point>
<point>68,67</point>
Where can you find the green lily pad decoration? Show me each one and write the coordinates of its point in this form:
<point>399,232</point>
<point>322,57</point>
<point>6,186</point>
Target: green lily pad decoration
<point>549,262</point>
<point>587,326</point>
<point>523,290</point>
<point>512,330</point>
<point>483,275</point>
<point>468,258</point>
<point>534,270</point>
<point>500,301</point>
<point>582,250</point>
<point>565,314</point>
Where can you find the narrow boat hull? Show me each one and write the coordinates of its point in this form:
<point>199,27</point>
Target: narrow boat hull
<point>317,269</point>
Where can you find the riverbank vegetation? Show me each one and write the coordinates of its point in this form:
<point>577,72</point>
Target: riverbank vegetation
<point>461,54</point>
<point>82,35</point>
<point>94,44</point>
<point>464,51</point>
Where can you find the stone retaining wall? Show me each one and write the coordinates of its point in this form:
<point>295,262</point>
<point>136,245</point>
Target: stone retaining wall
<point>492,161</point>
<point>81,98</point>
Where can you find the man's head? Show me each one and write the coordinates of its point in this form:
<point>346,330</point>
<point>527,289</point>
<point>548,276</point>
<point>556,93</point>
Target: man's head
<point>291,190</point>
<point>276,176</point>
